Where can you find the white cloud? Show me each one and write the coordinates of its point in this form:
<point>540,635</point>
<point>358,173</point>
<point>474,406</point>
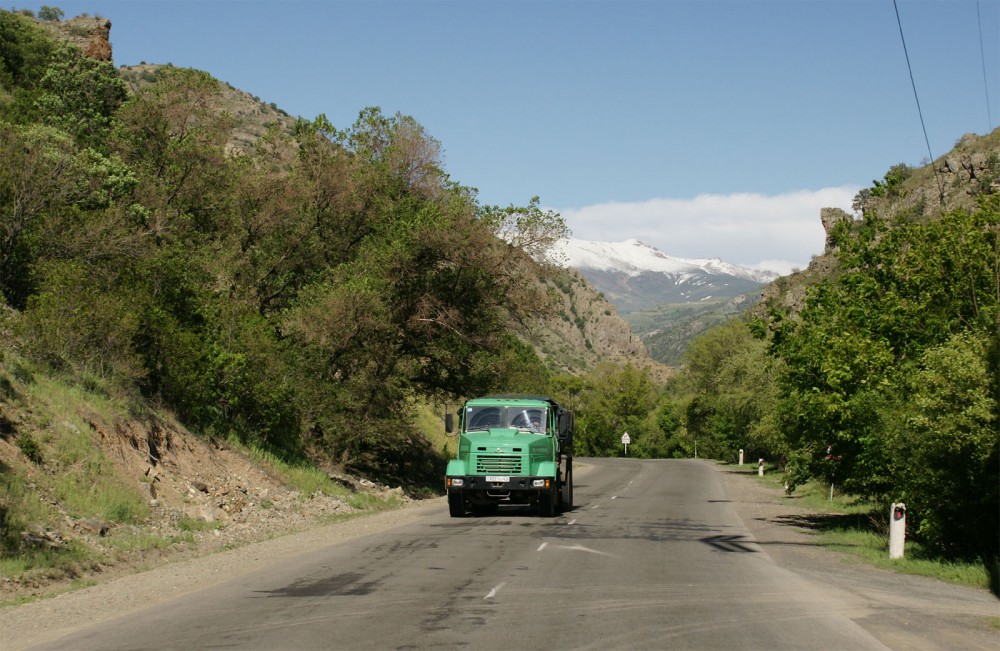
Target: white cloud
<point>767,232</point>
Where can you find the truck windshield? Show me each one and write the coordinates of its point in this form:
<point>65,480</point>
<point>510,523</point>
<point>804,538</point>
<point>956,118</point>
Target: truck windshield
<point>530,419</point>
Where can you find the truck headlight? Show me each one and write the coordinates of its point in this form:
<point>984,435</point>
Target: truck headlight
<point>455,482</point>
<point>540,483</point>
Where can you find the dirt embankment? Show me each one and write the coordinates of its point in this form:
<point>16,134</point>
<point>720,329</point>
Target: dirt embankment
<point>203,496</point>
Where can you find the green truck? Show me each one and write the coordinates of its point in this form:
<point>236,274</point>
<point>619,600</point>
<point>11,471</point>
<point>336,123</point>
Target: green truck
<point>512,449</point>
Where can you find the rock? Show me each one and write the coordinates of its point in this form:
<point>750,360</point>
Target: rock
<point>341,480</point>
<point>93,525</point>
<point>38,536</point>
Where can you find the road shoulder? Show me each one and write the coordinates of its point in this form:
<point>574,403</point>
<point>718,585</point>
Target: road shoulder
<point>902,611</point>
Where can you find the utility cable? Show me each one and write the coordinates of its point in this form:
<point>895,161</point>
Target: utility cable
<point>982,55</point>
<point>917,98</point>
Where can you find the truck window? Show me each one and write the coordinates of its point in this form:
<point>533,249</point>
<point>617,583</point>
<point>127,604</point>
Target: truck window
<point>478,418</point>
<point>529,418</point>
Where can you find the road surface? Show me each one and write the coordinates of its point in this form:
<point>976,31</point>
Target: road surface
<point>652,557</point>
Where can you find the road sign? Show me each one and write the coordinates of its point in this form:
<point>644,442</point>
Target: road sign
<point>626,439</point>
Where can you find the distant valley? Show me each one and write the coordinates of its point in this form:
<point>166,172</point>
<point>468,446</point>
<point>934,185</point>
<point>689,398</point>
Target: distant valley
<point>666,300</point>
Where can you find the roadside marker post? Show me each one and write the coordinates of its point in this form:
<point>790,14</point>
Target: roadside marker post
<point>626,439</point>
<point>897,530</point>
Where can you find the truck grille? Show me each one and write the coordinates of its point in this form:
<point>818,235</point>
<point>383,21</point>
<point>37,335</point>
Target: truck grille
<point>497,465</point>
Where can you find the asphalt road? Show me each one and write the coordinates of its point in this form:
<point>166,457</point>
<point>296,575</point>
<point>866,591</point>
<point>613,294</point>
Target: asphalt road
<point>652,557</point>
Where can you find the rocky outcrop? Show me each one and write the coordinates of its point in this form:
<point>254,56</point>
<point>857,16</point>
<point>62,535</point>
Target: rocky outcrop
<point>831,217</point>
<point>92,34</point>
<point>955,181</point>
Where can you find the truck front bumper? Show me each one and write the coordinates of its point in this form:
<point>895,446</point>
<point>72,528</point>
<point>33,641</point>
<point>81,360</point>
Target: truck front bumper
<point>499,484</point>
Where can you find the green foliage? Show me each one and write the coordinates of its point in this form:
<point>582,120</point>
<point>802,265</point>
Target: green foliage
<point>951,470</point>
<point>732,384</point>
<point>864,390</point>
<point>50,14</point>
<point>29,447</point>
<point>891,185</point>
<point>73,324</point>
<point>79,95</point>
<point>608,402</point>
<point>528,228</point>
<point>25,51</point>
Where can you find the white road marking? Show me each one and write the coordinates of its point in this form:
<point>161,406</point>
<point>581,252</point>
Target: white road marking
<point>581,548</point>
<point>573,521</point>
<point>614,497</point>
<point>494,591</point>
<point>542,546</point>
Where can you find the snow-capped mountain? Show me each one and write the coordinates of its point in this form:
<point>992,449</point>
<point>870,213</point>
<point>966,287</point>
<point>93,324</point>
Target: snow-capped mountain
<point>636,276</point>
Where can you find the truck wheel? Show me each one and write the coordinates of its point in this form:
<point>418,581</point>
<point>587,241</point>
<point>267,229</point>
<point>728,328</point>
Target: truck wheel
<point>566,493</point>
<point>547,504</point>
<point>456,504</point>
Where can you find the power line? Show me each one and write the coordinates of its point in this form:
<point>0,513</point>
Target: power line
<point>982,55</point>
<point>917,98</point>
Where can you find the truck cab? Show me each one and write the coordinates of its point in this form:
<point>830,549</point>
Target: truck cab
<point>512,449</point>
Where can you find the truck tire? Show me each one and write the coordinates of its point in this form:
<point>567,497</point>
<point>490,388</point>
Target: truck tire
<point>566,492</point>
<point>547,504</point>
<point>456,504</point>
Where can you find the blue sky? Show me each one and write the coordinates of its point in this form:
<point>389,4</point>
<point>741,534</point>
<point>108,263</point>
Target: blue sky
<point>707,129</point>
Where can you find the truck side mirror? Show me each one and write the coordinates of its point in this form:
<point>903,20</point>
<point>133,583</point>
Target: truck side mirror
<point>449,423</point>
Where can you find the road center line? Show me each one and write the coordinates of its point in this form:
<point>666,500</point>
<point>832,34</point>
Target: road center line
<point>541,547</point>
<point>494,591</point>
<point>573,521</point>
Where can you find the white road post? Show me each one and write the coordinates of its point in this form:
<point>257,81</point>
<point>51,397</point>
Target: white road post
<point>897,530</point>
<point>741,456</point>
<point>760,467</point>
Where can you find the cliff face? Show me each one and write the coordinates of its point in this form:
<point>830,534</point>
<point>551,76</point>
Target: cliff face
<point>581,329</point>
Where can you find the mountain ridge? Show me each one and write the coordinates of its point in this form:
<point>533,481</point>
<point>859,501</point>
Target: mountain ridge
<point>634,256</point>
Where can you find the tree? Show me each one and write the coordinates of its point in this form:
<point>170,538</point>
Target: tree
<point>528,228</point>
<point>50,14</point>
<point>616,399</point>
<point>950,448</point>
<point>36,167</point>
<point>731,383</point>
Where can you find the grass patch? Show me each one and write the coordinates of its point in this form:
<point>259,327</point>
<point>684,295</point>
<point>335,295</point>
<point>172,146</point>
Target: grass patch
<point>860,528</point>
<point>61,463</point>
<point>307,480</point>
<point>429,420</point>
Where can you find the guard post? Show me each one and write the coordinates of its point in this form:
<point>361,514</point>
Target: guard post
<point>897,530</point>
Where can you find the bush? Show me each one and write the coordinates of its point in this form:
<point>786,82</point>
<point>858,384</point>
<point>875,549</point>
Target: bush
<point>29,446</point>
